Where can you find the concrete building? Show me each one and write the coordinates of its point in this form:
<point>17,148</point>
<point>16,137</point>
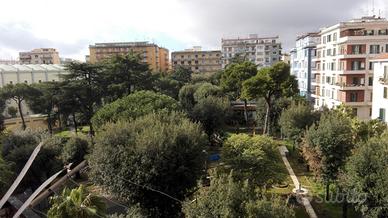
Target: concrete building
<point>156,57</point>
<point>30,73</point>
<point>40,56</point>
<point>286,58</point>
<point>261,51</point>
<point>302,64</point>
<point>344,71</point>
<point>380,87</point>
<point>197,60</point>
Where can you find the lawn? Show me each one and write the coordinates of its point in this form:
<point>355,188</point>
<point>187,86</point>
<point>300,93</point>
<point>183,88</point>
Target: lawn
<point>316,189</point>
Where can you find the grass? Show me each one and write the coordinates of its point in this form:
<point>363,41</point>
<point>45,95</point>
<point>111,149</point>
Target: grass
<point>316,189</point>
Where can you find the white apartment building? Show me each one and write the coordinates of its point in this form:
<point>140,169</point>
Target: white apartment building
<point>380,88</point>
<point>263,52</point>
<point>302,64</point>
<point>344,71</point>
<point>30,73</point>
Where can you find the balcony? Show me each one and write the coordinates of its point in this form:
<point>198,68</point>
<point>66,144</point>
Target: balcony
<point>383,81</point>
<point>350,86</point>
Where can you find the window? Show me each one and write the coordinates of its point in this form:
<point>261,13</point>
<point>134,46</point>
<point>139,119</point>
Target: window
<point>382,114</point>
<point>324,39</point>
<point>370,81</point>
<point>374,49</point>
<point>385,94</point>
<point>335,37</point>
<point>356,49</point>
<point>334,52</point>
<point>386,48</point>
<point>353,97</point>
<point>328,52</point>
<point>358,65</point>
<point>354,111</point>
<point>370,65</point>
<point>369,32</point>
<point>383,32</point>
<point>328,38</point>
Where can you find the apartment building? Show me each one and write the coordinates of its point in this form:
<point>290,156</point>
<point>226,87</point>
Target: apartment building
<point>156,57</point>
<point>263,52</point>
<point>302,64</point>
<point>380,87</point>
<point>197,60</point>
<point>40,56</point>
<point>344,70</point>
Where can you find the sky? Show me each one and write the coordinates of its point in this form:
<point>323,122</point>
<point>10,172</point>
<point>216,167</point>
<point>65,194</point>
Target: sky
<point>71,26</point>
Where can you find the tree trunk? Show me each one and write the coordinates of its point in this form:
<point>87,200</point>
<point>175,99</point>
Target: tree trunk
<point>327,191</point>
<point>267,117</point>
<point>75,124</point>
<point>21,114</point>
<point>345,207</point>
<point>49,126</point>
<point>245,112</point>
<point>91,131</point>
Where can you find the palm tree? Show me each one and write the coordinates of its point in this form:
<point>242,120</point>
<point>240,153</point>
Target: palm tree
<point>77,202</point>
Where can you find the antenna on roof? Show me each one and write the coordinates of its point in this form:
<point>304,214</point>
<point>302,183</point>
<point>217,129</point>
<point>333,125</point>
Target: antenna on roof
<point>373,8</point>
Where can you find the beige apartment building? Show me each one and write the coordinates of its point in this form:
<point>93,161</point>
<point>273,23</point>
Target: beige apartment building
<point>156,57</point>
<point>40,56</point>
<point>197,60</point>
<point>343,72</point>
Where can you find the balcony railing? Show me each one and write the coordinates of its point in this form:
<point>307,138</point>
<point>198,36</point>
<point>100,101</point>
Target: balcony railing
<point>383,80</point>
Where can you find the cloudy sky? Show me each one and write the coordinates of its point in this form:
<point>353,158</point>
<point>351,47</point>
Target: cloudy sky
<point>70,26</point>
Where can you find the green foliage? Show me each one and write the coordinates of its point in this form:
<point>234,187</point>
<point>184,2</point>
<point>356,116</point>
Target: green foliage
<point>17,148</point>
<point>211,112</point>
<point>2,107</point>
<point>205,90</point>
<point>296,119</point>
<point>228,198</point>
<point>182,74</point>
<point>125,74</point>
<point>6,175</point>
<point>168,86</point>
<point>234,75</point>
<point>366,177</point>
<point>12,111</point>
<point>186,96</point>
<point>133,106</point>
<point>134,211</point>
<point>364,130</point>
<point>18,93</point>
<point>75,150</point>
<point>332,142</point>
<point>77,202</point>
<point>253,158</point>
<point>163,152</point>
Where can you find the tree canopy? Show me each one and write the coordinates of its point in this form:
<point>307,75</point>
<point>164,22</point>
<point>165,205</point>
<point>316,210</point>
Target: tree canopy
<point>161,152</point>
<point>135,105</point>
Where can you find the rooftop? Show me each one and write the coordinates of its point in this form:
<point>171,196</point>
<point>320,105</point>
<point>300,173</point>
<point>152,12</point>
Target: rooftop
<point>121,44</point>
<point>31,67</point>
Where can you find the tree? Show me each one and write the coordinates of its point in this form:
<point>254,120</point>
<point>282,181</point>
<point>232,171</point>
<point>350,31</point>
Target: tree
<point>87,81</point>
<point>45,100</point>
<point>269,83</point>
<point>330,142</point>
<point>253,158</point>
<point>6,176</point>
<point>12,111</point>
<point>18,93</point>
<point>75,150</point>
<point>125,74</point>
<point>77,202</point>
<point>186,96</point>
<point>296,119</point>
<point>2,107</point>
<point>135,105</point>
<point>182,74</point>
<point>211,112</point>
<point>228,198</point>
<point>366,177</point>
<point>234,75</point>
<point>134,211</point>
<point>364,130</point>
<point>18,147</point>
<point>168,86</point>
<point>152,160</point>
<point>205,90</point>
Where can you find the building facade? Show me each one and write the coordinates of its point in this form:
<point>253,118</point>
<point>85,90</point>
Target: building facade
<point>344,71</point>
<point>302,64</point>
<point>380,88</point>
<point>40,56</point>
<point>197,60</point>
<point>156,57</point>
<point>263,52</point>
